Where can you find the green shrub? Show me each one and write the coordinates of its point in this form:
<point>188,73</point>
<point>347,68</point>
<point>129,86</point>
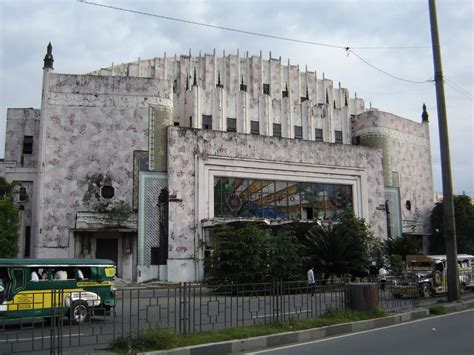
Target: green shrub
<point>251,253</point>
<point>162,339</point>
<point>438,310</point>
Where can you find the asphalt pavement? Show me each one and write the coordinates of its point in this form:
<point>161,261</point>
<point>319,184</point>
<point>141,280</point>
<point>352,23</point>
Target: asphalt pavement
<point>440,335</point>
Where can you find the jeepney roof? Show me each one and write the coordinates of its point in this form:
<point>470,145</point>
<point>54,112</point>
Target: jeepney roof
<point>430,258</point>
<point>56,262</point>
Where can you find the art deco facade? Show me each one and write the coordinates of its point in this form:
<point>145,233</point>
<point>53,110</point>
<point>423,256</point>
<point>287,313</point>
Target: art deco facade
<point>137,162</point>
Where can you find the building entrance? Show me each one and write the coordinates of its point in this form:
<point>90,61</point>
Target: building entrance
<point>107,248</point>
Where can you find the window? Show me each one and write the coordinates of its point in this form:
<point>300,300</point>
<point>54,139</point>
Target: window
<point>28,145</point>
<point>155,256</point>
<point>107,192</point>
<point>23,195</point>
<point>27,241</point>
<point>176,124</point>
<point>266,89</point>
<point>240,197</point>
<point>231,124</point>
<point>318,135</point>
<point>206,122</point>
<point>338,136</point>
<point>277,130</point>
<point>298,132</point>
<point>254,127</point>
<point>191,121</point>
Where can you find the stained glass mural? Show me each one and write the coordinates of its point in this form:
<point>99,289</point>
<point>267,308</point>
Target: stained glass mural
<point>274,199</point>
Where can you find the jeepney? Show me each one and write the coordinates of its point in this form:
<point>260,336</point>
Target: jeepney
<point>426,275</point>
<point>76,288</point>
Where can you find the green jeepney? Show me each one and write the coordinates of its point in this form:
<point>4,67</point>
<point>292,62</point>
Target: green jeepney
<point>77,288</point>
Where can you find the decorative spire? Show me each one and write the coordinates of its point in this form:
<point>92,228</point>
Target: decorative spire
<point>424,115</point>
<point>243,87</point>
<point>285,92</point>
<point>48,58</point>
<point>219,85</point>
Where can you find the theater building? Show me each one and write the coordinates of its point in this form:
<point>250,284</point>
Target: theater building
<point>137,162</point>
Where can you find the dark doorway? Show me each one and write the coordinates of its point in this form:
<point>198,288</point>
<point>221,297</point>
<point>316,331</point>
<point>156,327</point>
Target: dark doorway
<point>107,248</point>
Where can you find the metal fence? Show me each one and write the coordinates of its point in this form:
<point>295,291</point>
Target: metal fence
<point>185,308</point>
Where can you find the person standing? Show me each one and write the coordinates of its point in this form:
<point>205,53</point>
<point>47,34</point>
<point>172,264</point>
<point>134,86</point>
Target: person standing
<point>382,277</point>
<point>311,280</point>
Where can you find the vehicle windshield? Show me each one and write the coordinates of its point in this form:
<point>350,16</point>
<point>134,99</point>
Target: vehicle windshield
<point>420,266</point>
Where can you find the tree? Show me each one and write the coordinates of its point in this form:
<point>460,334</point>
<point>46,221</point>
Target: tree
<point>347,247</point>
<point>249,253</point>
<point>8,221</point>
<point>464,219</point>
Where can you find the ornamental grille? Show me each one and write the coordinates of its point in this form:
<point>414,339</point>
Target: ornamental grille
<point>152,188</point>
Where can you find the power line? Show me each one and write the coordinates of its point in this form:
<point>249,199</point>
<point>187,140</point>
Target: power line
<point>346,48</point>
<point>243,31</point>
<point>459,89</point>
<point>212,26</point>
<point>349,50</point>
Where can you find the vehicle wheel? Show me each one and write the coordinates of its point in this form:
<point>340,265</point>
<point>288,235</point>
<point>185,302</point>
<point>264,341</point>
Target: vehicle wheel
<point>425,291</point>
<point>79,312</point>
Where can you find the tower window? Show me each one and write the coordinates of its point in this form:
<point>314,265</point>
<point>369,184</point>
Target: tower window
<point>28,145</point>
<point>231,124</point>
<point>277,130</point>
<point>338,136</point>
<point>206,122</point>
<point>266,89</point>
<point>254,127</point>
<point>298,132</point>
<point>318,135</point>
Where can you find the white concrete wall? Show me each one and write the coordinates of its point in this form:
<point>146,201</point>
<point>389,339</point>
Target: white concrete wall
<point>199,155</point>
<point>408,144</point>
<point>91,125</point>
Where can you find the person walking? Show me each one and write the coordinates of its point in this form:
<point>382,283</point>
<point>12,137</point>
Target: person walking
<point>382,277</point>
<point>311,280</point>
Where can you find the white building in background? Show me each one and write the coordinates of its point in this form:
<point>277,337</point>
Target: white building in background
<point>229,137</point>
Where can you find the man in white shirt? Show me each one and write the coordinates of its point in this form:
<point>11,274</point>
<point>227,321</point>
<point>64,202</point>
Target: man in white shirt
<point>383,277</point>
<point>34,276</point>
<point>311,280</point>
<point>60,275</point>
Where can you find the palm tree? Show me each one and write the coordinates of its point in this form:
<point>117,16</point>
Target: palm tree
<point>342,248</point>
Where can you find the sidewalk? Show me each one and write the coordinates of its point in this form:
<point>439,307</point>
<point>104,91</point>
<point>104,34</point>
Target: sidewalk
<point>267,341</point>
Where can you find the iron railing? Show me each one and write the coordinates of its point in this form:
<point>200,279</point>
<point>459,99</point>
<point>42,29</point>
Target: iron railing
<point>184,308</point>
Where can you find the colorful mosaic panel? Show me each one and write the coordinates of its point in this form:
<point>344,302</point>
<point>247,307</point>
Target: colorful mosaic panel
<point>237,197</point>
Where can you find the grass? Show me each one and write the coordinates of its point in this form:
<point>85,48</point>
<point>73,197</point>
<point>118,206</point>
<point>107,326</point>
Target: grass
<point>162,339</point>
<point>438,310</point>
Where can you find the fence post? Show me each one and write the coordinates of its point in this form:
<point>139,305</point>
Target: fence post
<point>183,308</point>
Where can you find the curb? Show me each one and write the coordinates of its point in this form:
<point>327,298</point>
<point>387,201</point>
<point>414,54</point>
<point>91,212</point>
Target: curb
<point>266,341</point>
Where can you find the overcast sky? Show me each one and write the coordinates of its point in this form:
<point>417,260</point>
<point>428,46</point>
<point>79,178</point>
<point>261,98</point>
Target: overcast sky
<point>86,37</point>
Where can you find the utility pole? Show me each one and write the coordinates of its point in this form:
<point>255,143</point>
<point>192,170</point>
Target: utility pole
<point>448,203</point>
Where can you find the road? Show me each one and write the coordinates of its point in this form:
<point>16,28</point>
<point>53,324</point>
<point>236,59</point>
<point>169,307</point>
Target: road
<point>441,335</point>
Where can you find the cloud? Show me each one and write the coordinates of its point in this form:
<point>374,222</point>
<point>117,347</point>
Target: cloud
<point>87,37</point>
